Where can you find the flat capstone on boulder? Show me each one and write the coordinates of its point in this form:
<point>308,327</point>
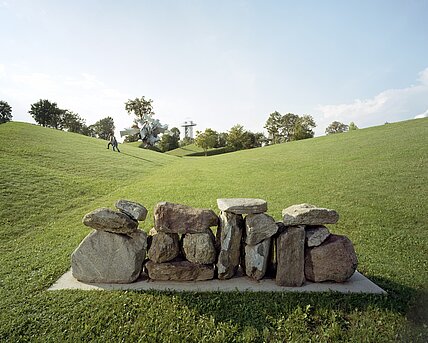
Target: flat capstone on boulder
<point>133,209</point>
<point>105,219</point>
<point>242,205</point>
<point>306,214</point>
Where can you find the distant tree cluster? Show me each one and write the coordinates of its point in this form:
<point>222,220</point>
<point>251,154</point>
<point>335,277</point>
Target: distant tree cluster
<point>237,138</point>
<point>5,112</point>
<point>338,127</point>
<point>48,114</point>
<point>289,127</point>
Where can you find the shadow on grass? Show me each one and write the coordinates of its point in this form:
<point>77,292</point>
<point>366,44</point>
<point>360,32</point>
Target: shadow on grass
<point>143,159</point>
<point>253,309</point>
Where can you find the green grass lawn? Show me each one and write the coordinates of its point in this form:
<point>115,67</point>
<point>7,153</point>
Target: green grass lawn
<point>193,150</point>
<point>376,178</point>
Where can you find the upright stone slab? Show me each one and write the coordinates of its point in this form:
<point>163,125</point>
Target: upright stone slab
<point>133,209</point>
<point>334,260</point>
<point>229,236</point>
<point>199,248</point>
<point>111,221</point>
<point>242,205</point>
<point>256,259</point>
<point>176,218</point>
<point>290,252</point>
<point>259,227</point>
<point>306,214</point>
<point>104,257</point>
<point>164,247</point>
<point>179,271</point>
<point>315,235</point>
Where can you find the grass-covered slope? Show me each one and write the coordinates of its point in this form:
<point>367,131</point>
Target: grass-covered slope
<point>193,150</point>
<point>376,178</point>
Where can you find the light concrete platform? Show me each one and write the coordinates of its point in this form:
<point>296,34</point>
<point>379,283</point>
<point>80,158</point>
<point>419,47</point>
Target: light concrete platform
<point>356,284</point>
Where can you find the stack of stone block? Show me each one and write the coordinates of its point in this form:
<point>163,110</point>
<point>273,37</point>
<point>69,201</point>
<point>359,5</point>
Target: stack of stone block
<point>305,249</point>
<point>254,232</point>
<point>182,244</point>
<point>115,250</point>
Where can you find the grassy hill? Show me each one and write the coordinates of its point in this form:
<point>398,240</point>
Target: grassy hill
<point>376,178</point>
<point>193,150</point>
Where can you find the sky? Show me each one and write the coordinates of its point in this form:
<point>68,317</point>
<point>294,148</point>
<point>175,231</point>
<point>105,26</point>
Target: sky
<point>218,63</point>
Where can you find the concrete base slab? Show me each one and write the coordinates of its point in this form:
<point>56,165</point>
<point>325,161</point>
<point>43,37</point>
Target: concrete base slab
<point>356,284</point>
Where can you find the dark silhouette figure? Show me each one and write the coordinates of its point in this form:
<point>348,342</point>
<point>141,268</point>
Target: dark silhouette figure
<point>113,143</point>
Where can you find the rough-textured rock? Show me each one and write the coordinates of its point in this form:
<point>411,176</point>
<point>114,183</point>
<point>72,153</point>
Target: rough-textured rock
<point>164,247</point>
<point>290,253</point>
<point>257,258</point>
<point>133,209</point>
<point>111,221</point>
<point>305,214</point>
<point>229,236</point>
<point>334,260</point>
<point>104,257</point>
<point>176,218</point>
<point>315,235</point>
<point>152,232</point>
<point>179,271</point>
<point>199,248</point>
<point>259,227</point>
<point>242,205</point>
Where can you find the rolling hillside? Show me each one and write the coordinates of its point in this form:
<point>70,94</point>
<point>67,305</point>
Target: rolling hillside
<point>376,178</point>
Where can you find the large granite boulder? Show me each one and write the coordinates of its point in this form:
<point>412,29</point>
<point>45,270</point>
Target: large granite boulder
<point>176,218</point>
<point>257,258</point>
<point>242,205</point>
<point>315,235</point>
<point>305,214</point>
<point>229,236</point>
<point>164,247</point>
<point>104,257</point>
<point>179,271</point>
<point>133,209</point>
<point>111,221</point>
<point>259,227</point>
<point>199,247</point>
<point>290,254</point>
<point>334,260</point>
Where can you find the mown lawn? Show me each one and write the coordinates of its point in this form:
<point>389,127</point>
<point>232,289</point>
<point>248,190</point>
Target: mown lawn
<point>376,178</point>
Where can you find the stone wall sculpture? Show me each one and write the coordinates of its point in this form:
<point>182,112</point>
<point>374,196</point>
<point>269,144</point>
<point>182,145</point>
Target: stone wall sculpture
<point>183,247</point>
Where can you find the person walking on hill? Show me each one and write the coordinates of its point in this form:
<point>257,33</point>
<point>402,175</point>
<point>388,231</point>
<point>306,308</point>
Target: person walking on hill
<point>113,143</point>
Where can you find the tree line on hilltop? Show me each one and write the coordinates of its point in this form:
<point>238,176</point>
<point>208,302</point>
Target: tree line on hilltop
<point>280,128</point>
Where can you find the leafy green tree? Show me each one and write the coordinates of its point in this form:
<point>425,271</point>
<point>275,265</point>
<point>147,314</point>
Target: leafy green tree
<point>352,126</point>
<point>104,128</point>
<point>303,128</point>
<point>88,131</point>
<point>237,138</point>
<point>170,140</point>
<point>336,127</point>
<point>221,140</point>
<point>46,113</point>
<point>289,127</point>
<point>139,107</point>
<point>72,122</point>
<point>274,126</point>
<point>5,112</point>
<point>206,140</point>
<point>186,141</point>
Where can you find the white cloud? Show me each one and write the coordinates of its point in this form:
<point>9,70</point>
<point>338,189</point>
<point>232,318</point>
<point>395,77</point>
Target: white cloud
<point>390,105</point>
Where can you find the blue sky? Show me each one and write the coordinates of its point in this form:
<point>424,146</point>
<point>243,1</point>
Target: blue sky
<point>218,63</point>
